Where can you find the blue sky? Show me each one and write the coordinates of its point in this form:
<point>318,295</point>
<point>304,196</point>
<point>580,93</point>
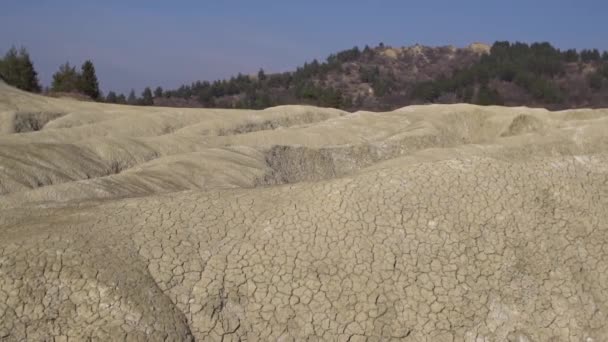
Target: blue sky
<point>168,43</point>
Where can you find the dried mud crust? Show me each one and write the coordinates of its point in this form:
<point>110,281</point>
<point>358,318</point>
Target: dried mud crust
<point>462,250</point>
<point>438,223</point>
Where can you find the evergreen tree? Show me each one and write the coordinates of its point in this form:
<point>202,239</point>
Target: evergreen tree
<point>427,91</point>
<point>330,98</point>
<point>158,92</point>
<point>488,97</point>
<point>18,70</point>
<point>121,99</point>
<point>571,55</point>
<point>146,97</point>
<point>537,69</point>
<point>604,71</point>
<point>261,75</point>
<point>112,98</point>
<point>88,84</point>
<point>132,100</point>
<point>546,91</point>
<point>596,81</point>
<point>263,101</point>
<point>29,76</point>
<point>9,67</point>
<point>66,79</point>
<point>590,55</point>
<point>531,67</point>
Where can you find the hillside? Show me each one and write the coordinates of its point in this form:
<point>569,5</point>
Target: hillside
<point>386,78</point>
<point>353,78</point>
<point>435,222</point>
<point>377,79</point>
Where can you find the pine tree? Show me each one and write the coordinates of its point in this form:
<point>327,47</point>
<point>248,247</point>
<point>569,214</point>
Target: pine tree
<point>596,81</point>
<point>146,97</point>
<point>9,67</point>
<point>112,98</point>
<point>571,55</point>
<point>29,76</point>
<point>66,79</point>
<point>132,99</point>
<point>158,92</point>
<point>18,70</point>
<point>261,75</point>
<point>121,99</point>
<point>590,55</point>
<point>488,97</point>
<point>89,84</point>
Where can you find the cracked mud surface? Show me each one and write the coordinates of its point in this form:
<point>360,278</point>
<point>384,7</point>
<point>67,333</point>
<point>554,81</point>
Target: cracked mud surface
<point>431,223</point>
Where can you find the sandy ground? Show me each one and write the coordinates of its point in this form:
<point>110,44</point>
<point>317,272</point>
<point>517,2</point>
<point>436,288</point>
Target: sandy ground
<point>428,223</point>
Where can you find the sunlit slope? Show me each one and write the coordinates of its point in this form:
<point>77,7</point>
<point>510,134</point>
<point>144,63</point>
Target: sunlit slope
<point>438,223</point>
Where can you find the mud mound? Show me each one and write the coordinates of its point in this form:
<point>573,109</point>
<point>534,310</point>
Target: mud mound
<point>439,223</point>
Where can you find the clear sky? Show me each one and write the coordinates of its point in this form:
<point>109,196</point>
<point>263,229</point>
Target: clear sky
<point>137,43</point>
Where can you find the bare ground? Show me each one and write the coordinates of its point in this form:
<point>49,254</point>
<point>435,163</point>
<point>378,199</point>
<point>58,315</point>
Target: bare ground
<point>428,223</point>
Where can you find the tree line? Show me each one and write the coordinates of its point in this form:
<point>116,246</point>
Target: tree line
<point>535,68</point>
<point>17,69</point>
<point>67,79</point>
<point>532,67</point>
<point>265,90</point>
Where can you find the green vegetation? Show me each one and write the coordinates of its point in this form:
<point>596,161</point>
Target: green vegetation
<point>112,97</point>
<point>121,99</point>
<point>17,69</point>
<point>571,56</point>
<point>487,96</point>
<point>88,81</point>
<point>158,92</point>
<point>68,80</point>
<point>590,55</point>
<point>146,97</point>
<point>305,85</point>
<point>261,75</point>
<point>535,74</point>
<point>381,83</point>
<point>596,81</point>
<point>132,99</point>
<point>535,69</point>
<point>599,78</point>
<point>531,67</point>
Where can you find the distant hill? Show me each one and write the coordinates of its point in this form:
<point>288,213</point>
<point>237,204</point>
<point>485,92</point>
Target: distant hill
<point>377,78</point>
<point>384,78</point>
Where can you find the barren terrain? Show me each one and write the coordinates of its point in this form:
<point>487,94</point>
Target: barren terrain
<point>428,223</point>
